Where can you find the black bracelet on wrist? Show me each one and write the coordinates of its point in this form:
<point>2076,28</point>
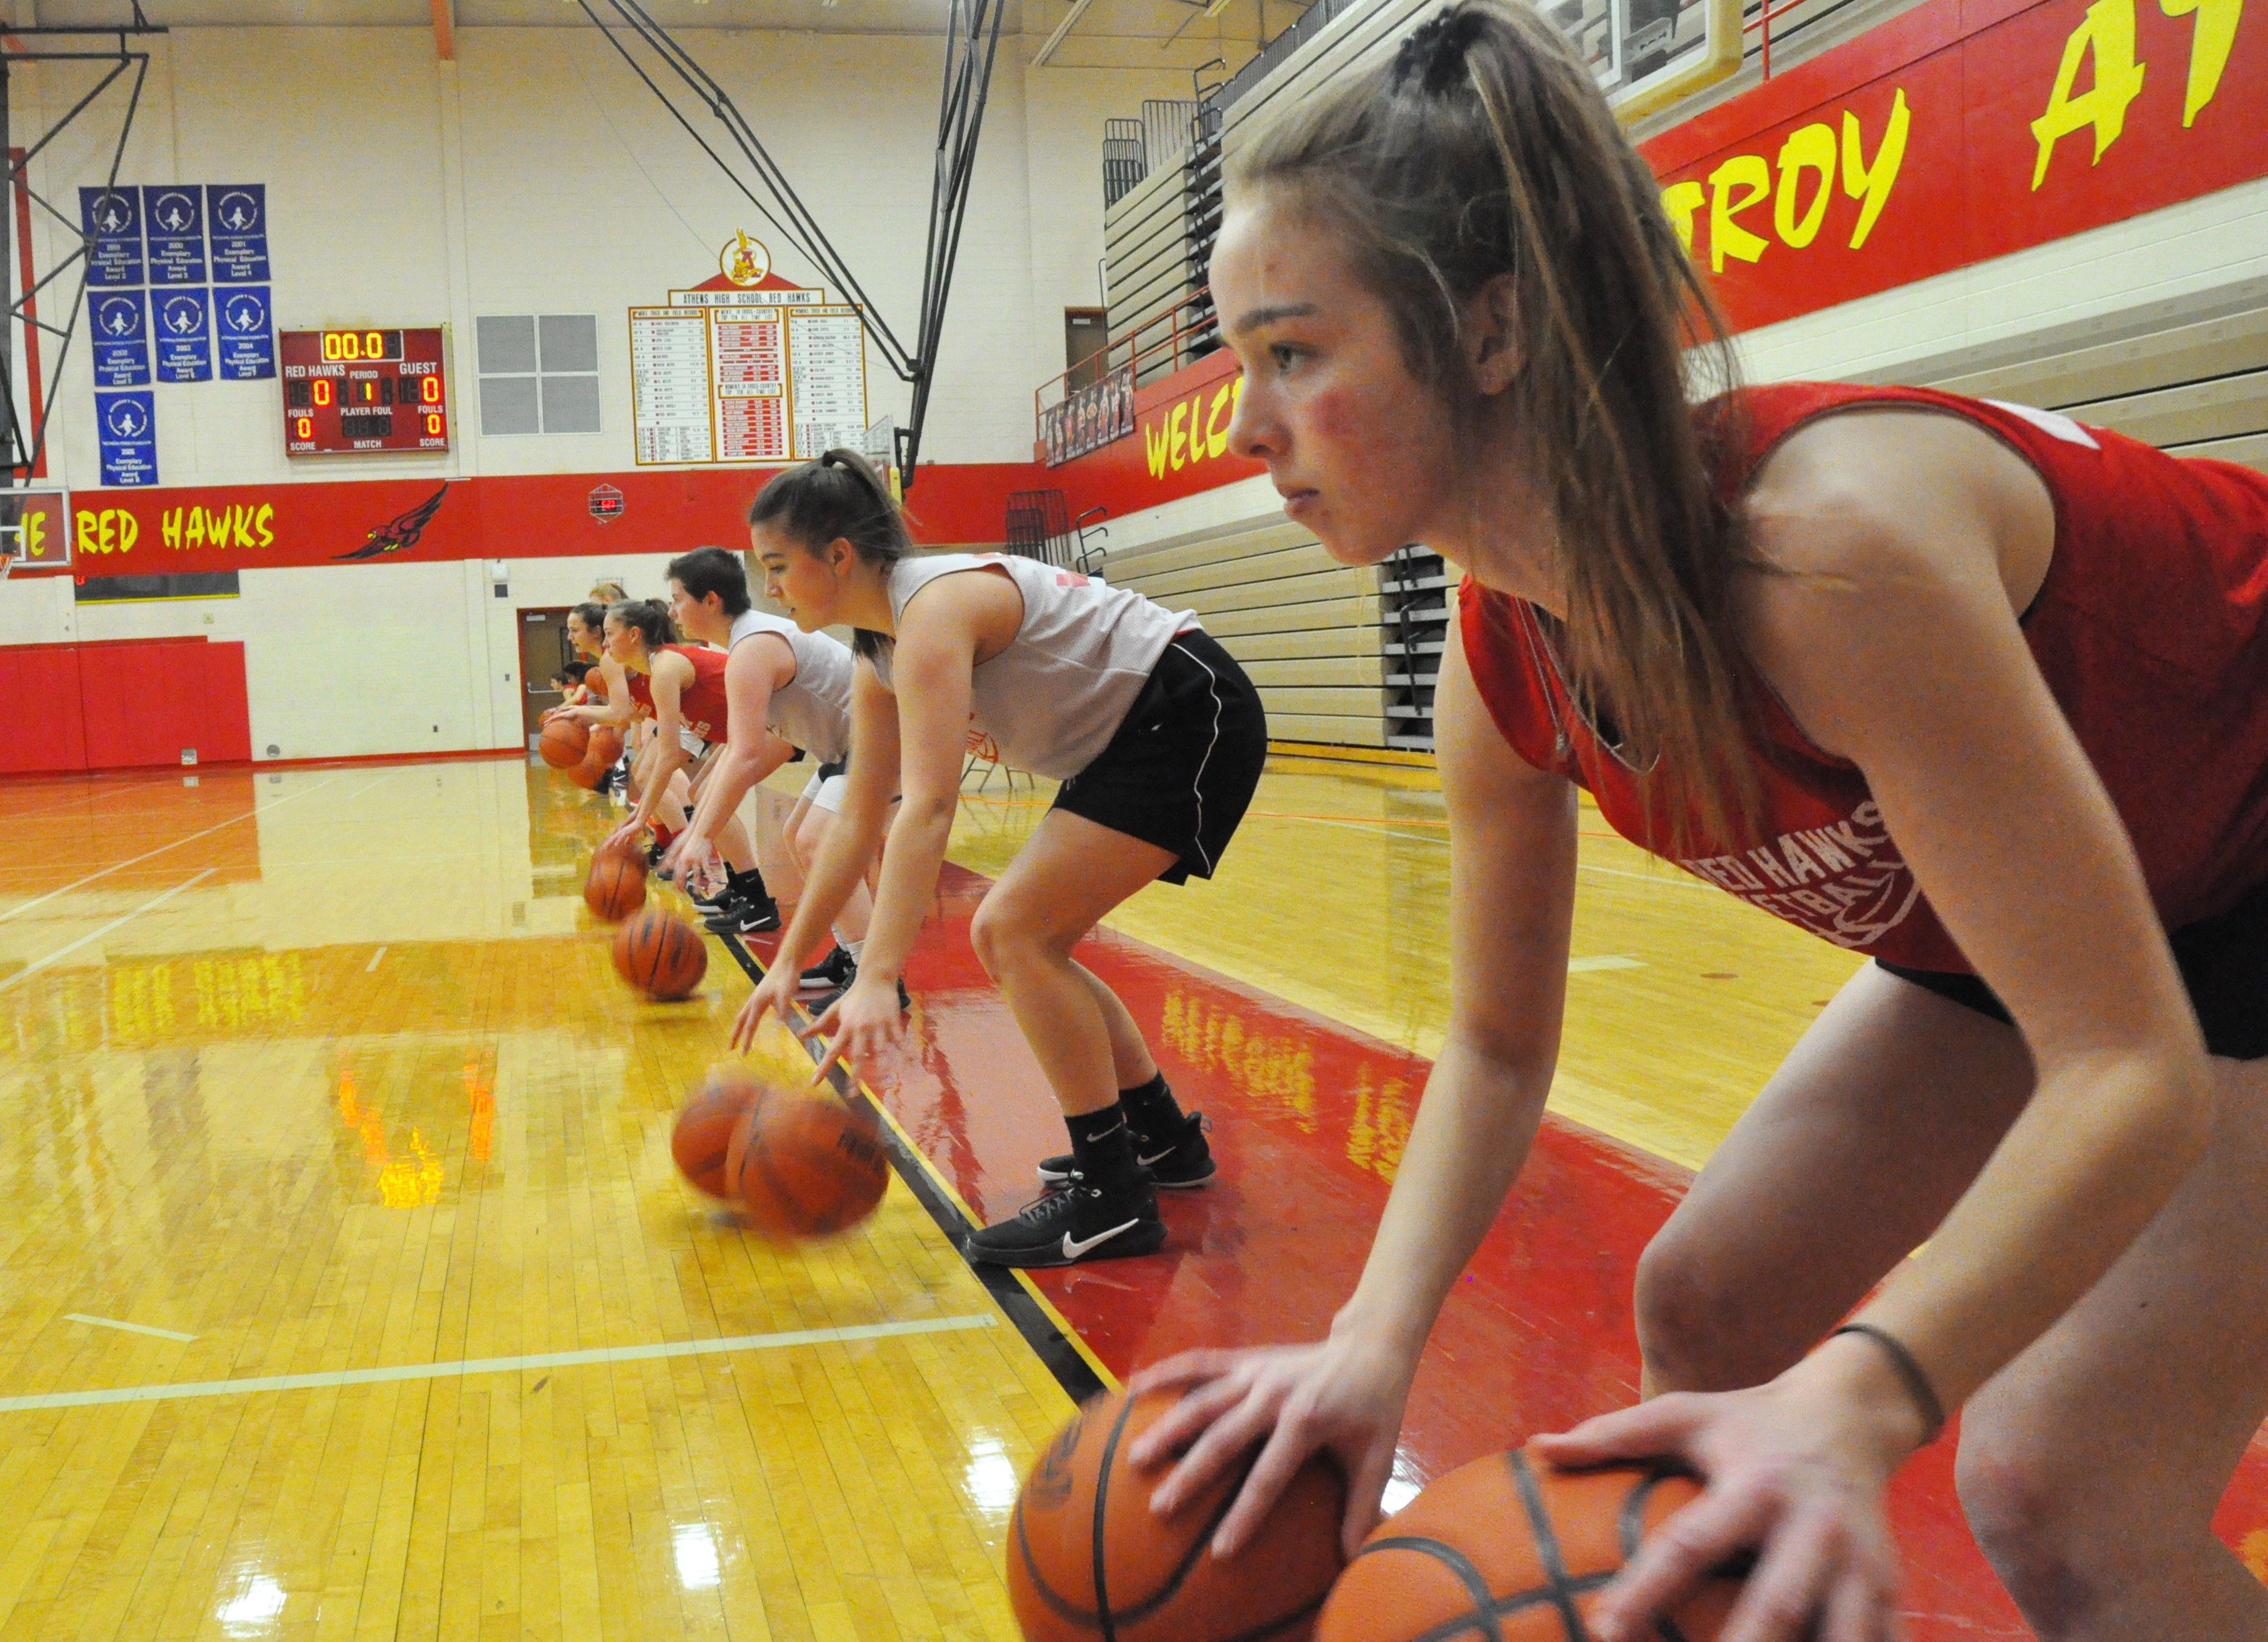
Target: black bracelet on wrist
<point>1917,1383</point>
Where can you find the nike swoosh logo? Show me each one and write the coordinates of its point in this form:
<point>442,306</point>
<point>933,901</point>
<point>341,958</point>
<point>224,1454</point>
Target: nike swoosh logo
<point>1073,1248</point>
<point>1145,1158</point>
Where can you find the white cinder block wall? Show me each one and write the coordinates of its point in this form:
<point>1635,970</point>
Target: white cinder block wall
<point>536,174</point>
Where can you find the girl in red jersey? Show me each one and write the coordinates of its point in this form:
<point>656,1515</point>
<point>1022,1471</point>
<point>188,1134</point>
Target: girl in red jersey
<point>681,688</point>
<point>1978,691</point>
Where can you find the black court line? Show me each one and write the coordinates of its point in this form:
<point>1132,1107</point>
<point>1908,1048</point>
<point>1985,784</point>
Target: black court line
<point>1056,1352</point>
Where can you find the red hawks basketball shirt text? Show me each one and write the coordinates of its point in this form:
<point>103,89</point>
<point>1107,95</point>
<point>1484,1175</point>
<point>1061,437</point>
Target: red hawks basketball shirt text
<point>701,702</point>
<point>2151,630</point>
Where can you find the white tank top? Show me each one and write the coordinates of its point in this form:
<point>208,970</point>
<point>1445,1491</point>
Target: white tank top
<point>1052,700</point>
<point>812,710</point>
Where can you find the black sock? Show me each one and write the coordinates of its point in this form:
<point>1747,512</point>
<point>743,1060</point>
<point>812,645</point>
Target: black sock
<point>750,883</point>
<point>1101,1148</point>
<point>1150,1107</point>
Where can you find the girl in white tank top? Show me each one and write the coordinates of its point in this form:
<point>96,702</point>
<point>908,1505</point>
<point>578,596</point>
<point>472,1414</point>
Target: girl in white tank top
<point>1158,739</point>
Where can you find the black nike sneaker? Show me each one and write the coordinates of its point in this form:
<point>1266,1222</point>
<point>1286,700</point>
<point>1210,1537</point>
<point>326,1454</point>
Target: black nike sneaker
<point>1177,1161</point>
<point>1081,1222</point>
<point>740,916</point>
<point>831,974</point>
<point>708,903</point>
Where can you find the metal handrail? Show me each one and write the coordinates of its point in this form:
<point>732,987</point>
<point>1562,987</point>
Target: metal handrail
<point>1182,330</point>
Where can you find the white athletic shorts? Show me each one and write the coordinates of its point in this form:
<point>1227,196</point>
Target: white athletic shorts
<point>826,792</point>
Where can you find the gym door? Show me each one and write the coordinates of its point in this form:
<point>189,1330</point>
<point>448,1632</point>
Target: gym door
<point>544,648</point>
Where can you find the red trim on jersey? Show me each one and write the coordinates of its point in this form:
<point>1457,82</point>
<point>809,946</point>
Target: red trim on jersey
<point>701,702</point>
<point>2151,630</point>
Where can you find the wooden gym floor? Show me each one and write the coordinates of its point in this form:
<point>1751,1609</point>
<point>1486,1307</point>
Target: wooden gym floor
<point>349,1290</point>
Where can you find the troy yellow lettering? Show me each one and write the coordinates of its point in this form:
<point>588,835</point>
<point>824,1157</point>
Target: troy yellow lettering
<point>261,522</point>
<point>2107,32</point>
<point>2215,33</point>
<point>1727,236</point>
<point>1177,439</point>
<point>1871,184</point>
<point>1681,200</point>
<point>169,527</point>
<point>1809,148</point>
<point>1154,443</point>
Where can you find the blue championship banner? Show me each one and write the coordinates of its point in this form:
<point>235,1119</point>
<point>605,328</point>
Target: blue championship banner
<point>126,426</point>
<point>184,335</point>
<point>120,321</point>
<point>112,218</point>
<point>248,336</point>
<point>175,218</point>
<point>236,217</point>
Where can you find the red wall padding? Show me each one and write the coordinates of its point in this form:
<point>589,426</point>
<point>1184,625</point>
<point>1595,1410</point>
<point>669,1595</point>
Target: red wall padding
<point>52,736</point>
<point>126,704</point>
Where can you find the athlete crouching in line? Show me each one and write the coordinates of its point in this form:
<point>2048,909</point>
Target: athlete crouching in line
<point>681,687</point>
<point>1974,689</point>
<point>1158,739</point>
<point>784,688</point>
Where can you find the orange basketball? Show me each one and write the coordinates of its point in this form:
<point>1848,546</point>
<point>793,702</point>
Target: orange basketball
<point>563,742</point>
<point>704,1134</point>
<point>661,955</point>
<point>804,1166</point>
<point>1542,1540</point>
<point>1087,1557</point>
<point>605,745</point>
<point>616,885</point>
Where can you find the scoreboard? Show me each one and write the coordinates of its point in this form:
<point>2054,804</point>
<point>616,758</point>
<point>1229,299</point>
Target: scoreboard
<point>364,390</point>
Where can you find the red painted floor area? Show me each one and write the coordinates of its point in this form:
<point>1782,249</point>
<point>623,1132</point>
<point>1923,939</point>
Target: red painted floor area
<point>1309,1119</point>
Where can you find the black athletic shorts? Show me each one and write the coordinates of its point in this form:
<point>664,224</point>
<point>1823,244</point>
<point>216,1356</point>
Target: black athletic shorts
<point>1183,765</point>
<point>2224,963</point>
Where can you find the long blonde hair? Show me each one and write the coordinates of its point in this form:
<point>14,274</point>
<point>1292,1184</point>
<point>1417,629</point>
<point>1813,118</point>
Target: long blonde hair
<point>1485,149</point>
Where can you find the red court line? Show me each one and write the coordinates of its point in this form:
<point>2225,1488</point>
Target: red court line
<point>1309,1118</point>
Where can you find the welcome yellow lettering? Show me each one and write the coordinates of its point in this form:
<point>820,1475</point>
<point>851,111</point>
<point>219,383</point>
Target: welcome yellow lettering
<point>2108,32</point>
<point>1155,445</point>
<point>1177,437</point>
<point>1812,147</point>
<point>169,526</point>
<point>1217,437</point>
<point>2209,46</point>
<point>260,521</point>
<point>1727,236</point>
<point>1681,200</point>
<point>1871,184</point>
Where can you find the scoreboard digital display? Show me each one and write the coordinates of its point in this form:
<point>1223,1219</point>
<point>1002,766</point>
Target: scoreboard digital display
<point>351,392</point>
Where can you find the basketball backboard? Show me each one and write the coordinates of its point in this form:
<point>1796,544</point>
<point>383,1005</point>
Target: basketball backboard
<point>1648,54</point>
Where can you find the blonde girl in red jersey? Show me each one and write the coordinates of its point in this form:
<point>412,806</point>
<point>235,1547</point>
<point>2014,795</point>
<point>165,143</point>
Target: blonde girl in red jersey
<point>1975,691</point>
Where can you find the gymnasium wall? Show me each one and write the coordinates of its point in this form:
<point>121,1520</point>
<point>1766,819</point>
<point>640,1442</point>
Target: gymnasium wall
<point>536,175</point>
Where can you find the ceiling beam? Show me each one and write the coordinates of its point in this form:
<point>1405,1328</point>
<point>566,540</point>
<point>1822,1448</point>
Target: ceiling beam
<point>444,30</point>
<point>1078,10</point>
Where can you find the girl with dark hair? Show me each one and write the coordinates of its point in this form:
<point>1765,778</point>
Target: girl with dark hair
<point>1971,688</point>
<point>587,631</point>
<point>1158,739</point>
<point>680,688</point>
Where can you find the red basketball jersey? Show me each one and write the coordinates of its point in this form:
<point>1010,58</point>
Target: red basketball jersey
<point>701,702</point>
<point>2151,630</point>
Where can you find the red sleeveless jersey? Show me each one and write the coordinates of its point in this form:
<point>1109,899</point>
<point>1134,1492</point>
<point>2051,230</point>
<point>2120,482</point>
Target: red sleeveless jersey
<point>2151,630</point>
<point>701,702</point>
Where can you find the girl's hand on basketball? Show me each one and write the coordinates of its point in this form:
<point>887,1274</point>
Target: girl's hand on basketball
<point>624,835</point>
<point>861,1026</point>
<point>773,995</point>
<point>1343,1396</point>
<point>688,845</point>
<point>1796,1471</point>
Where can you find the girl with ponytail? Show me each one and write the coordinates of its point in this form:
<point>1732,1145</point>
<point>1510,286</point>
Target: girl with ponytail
<point>1917,671</point>
<point>1155,734</point>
